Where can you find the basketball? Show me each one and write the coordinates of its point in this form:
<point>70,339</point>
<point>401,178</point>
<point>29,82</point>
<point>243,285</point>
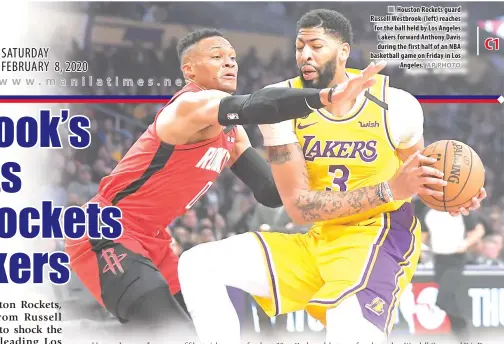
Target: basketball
<point>463,170</point>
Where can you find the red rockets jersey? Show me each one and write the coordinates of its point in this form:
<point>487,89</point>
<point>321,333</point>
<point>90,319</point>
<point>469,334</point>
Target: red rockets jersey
<point>156,182</point>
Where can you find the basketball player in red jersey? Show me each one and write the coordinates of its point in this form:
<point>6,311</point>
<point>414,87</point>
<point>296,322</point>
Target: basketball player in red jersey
<point>172,165</point>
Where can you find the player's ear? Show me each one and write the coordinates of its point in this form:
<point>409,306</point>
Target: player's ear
<point>344,52</point>
<point>187,70</point>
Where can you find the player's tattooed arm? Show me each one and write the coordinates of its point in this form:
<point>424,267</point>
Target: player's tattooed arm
<point>304,205</point>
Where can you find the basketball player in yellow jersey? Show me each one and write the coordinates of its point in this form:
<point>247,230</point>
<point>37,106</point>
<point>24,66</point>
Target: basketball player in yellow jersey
<point>361,261</point>
<point>341,168</point>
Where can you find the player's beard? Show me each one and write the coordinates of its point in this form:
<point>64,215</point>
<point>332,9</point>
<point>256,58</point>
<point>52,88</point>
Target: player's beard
<point>325,75</point>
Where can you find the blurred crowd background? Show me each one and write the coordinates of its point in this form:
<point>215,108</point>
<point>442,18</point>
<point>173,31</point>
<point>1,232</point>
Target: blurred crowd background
<point>229,208</point>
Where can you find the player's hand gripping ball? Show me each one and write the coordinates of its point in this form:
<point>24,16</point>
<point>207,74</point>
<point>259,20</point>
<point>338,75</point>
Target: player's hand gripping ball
<point>464,173</point>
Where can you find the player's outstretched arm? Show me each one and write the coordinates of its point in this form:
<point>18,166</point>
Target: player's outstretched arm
<point>304,205</point>
<point>248,165</point>
<point>269,105</point>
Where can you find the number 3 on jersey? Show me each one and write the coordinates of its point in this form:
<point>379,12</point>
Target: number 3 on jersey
<point>341,174</point>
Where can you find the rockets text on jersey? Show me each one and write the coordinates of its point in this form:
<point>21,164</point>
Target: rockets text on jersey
<point>215,159</point>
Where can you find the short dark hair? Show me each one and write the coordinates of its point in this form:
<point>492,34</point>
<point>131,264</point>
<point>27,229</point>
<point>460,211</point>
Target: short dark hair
<point>193,38</point>
<point>331,21</point>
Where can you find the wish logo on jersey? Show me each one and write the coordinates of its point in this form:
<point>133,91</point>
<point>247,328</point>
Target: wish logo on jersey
<point>369,124</point>
<point>313,149</point>
<point>214,159</point>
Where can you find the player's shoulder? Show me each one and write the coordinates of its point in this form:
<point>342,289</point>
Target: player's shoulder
<point>400,94</point>
<point>284,83</point>
<point>405,118</point>
<point>188,103</point>
<point>400,100</point>
<point>202,95</point>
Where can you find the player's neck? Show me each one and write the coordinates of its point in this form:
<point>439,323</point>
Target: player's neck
<point>339,78</point>
<point>190,81</point>
<point>340,110</point>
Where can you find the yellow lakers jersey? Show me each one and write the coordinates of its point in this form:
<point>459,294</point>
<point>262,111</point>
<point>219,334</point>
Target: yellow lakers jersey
<point>352,151</point>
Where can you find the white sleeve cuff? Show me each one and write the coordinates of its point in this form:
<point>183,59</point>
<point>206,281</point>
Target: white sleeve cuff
<point>278,134</point>
<point>411,142</point>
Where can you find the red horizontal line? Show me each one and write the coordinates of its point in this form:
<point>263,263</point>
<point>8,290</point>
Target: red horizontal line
<point>83,101</point>
<point>455,101</point>
<point>164,101</point>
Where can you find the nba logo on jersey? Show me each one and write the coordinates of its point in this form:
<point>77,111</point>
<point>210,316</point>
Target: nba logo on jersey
<point>214,159</point>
